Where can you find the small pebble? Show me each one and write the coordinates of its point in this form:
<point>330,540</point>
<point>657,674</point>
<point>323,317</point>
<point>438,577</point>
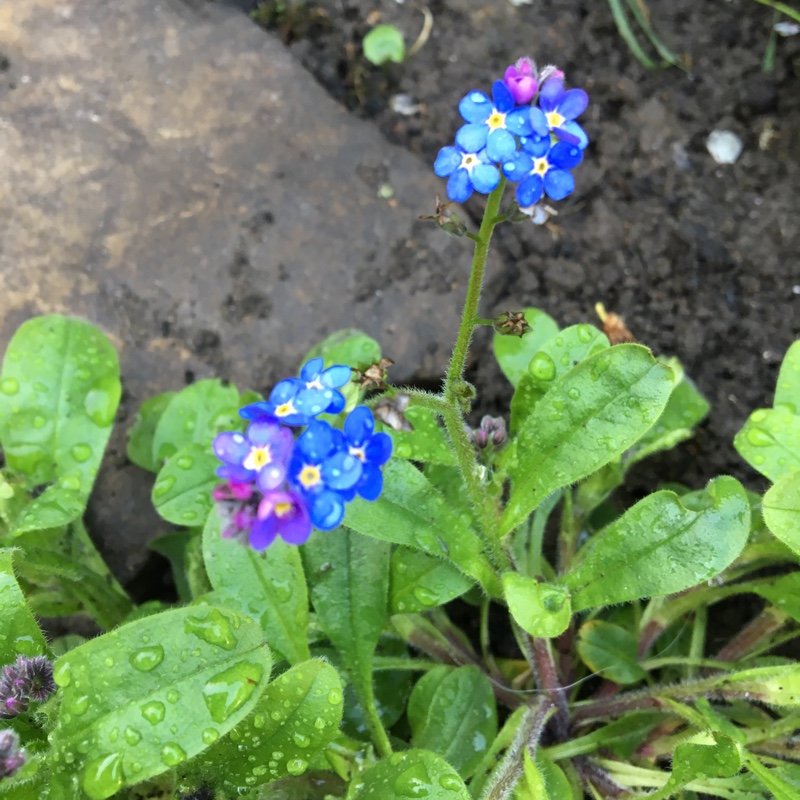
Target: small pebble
<point>787,28</point>
<point>725,146</point>
<point>403,104</point>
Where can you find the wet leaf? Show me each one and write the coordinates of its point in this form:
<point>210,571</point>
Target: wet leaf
<point>781,508</point>
<point>660,547</point>
<point>59,392</point>
<point>610,651</point>
<point>542,780</point>
<point>419,582</point>
<point>452,712</point>
<point>428,441</point>
<point>195,415</point>
<point>19,631</point>
<point>270,586</point>
<point>589,417</point>
<point>152,694</point>
<point>293,720</point>
<point>182,493</point>
<point>787,392</point>
<point>555,359</point>
<point>384,43</point>
<point>541,609</point>
<point>514,353</point>
<point>142,432</point>
<point>770,442</point>
<point>410,773</point>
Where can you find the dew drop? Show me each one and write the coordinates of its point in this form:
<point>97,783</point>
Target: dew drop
<point>452,782</point>
<point>320,724</point>
<point>215,629</point>
<point>79,705</point>
<point>584,333</point>
<point>231,689</point>
<point>574,393</point>
<point>334,697</point>
<point>163,485</point>
<point>300,739</point>
<point>39,422</point>
<point>132,736</point>
<point>153,712</point>
<point>185,462</point>
<point>173,696</point>
<point>81,452</point>
<point>425,596</point>
<point>759,438</point>
<point>62,674</point>
<point>210,735</point>
<point>101,401</point>
<point>296,766</point>
<point>413,782</point>
<point>9,386</point>
<point>172,754</point>
<point>148,658</point>
<point>758,416</point>
<point>102,777</point>
<point>542,367</point>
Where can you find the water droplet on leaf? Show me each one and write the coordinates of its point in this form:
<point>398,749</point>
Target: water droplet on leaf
<point>147,658</point>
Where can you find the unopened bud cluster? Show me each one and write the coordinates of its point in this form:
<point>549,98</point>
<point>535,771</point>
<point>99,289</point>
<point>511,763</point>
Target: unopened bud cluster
<point>25,680</point>
<point>11,756</point>
<point>490,433</point>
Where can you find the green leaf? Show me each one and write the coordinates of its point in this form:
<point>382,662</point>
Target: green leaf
<point>610,651</point>
<point>685,408</point>
<point>270,586</point>
<point>19,631</point>
<point>783,592</point>
<point>775,686</point>
<point>152,694</point>
<point>142,432</point>
<point>297,716</point>
<point>410,773</point>
<point>770,442</point>
<point>777,783</point>
<point>348,346</point>
<point>59,392</point>
<point>419,582</point>
<point>182,491</point>
<point>591,416</point>
<point>555,359</point>
<point>349,578</point>
<point>412,512</point>
<point>384,43</point>
<point>542,780</point>
<point>428,441</point>
<point>659,547</point>
<point>514,353</point>
<point>452,712</point>
<point>541,609</point>
<point>781,509</point>
<point>787,392</point>
<point>527,542</point>
<point>195,415</point>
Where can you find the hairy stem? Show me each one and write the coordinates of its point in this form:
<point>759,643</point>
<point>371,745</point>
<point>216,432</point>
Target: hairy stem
<point>769,621</point>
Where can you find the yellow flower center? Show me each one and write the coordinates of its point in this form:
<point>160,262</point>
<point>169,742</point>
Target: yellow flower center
<point>540,166</point>
<point>283,509</point>
<point>359,453</point>
<point>554,119</point>
<point>284,409</point>
<point>497,120</point>
<point>257,458</point>
<point>309,476</point>
<point>468,161</point>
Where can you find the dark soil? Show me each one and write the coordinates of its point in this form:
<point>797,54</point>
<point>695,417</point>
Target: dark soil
<point>701,259</point>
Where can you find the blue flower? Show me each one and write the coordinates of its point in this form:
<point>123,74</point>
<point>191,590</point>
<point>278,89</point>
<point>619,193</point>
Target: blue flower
<point>260,456</point>
<point>295,401</point>
<point>466,171</point>
<point>492,124</point>
<point>557,112</point>
<point>547,173</point>
<point>321,470</point>
<point>280,513</point>
<point>372,449</point>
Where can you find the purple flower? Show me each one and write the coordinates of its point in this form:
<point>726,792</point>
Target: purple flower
<point>237,504</point>
<point>492,124</point>
<point>295,401</point>
<point>261,455</point>
<point>28,678</point>
<point>558,111</point>
<point>466,172</point>
<point>522,81</point>
<point>280,513</point>
<point>372,449</point>
<point>11,757</point>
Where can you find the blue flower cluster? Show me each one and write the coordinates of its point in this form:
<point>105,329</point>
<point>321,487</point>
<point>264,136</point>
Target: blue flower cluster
<point>279,485</point>
<point>527,129</point>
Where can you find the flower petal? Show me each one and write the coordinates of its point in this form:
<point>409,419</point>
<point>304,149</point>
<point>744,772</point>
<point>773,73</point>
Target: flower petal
<point>379,449</point>
<point>335,377</point>
<point>359,425</point>
<point>314,401</point>
<point>448,160</point>
<point>316,442</point>
<point>485,178</point>
<point>503,99</point>
<point>519,122</point>
<point>233,472</point>
<point>271,477</point>
<point>336,404</point>
<point>573,103</point>
<point>575,130</point>
<point>518,165</point>
<point>341,471</point>
<point>500,144</point>
<point>327,510</point>
<point>263,533</point>
<point>558,183</point>
<point>537,146</point>
<point>471,138</point>
<point>285,390</point>
<point>530,190</point>
<point>260,410</point>
<point>475,107</point>
<point>459,186</point>
<point>565,156</point>
<point>539,121</point>
<point>371,484</point>
<point>232,448</point>
<point>311,369</point>
<point>551,94</point>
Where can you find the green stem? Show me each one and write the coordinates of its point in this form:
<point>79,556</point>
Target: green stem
<point>378,733</point>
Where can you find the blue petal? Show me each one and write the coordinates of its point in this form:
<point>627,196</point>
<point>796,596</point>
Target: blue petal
<point>379,449</point>
<point>519,122</point>
<point>530,191</point>
<point>539,121</point>
<point>500,145</point>
<point>503,99</point>
<point>316,442</point>
<point>270,477</point>
<point>263,533</point>
<point>459,186</point>
<point>341,471</point>
<point>371,484</point>
<point>551,94</point>
<point>335,377</point>
<point>232,448</point>
<point>313,401</point>
<point>359,425</point>
<point>231,472</point>
<point>471,138</point>
<point>326,510</point>
<point>485,178</point>
<point>262,432</point>
<point>573,103</point>
<point>475,107</point>
<point>261,410</point>
<point>449,159</point>
<point>565,156</point>
<point>285,390</point>
<point>336,404</point>
<point>537,146</point>
<point>517,166</point>
<point>565,136</point>
<point>573,129</point>
<point>311,369</point>
<point>559,183</point>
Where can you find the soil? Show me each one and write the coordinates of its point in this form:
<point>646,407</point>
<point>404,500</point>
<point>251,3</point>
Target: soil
<point>701,259</point>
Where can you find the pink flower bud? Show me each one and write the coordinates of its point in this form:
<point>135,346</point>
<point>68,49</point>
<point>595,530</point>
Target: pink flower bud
<point>521,80</point>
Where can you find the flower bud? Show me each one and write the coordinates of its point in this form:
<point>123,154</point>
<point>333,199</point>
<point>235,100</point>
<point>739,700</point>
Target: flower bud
<point>521,80</point>
<point>511,323</point>
<point>447,220</point>
<point>11,757</point>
